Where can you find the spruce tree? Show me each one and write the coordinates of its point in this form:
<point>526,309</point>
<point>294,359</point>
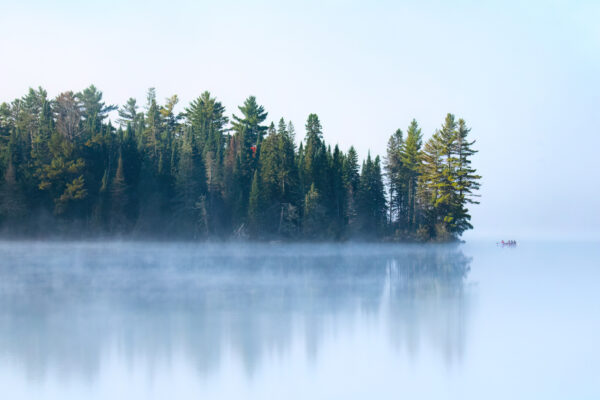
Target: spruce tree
<point>190,189</point>
<point>338,193</point>
<point>314,156</point>
<point>185,174</point>
<point>371,200</point>
<point>351,175</point>
<point>396,177</point>
<point>207,118</point>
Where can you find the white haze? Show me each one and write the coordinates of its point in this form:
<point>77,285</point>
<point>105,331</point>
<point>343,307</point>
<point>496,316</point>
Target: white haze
<point>140,320</point>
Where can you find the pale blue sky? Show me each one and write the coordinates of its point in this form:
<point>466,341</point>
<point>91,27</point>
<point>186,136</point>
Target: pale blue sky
<point>524,75</point>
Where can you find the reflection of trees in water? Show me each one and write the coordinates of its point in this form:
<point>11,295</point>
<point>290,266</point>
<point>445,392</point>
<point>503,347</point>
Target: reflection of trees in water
<point>66,307</point>
<point>425,293</point>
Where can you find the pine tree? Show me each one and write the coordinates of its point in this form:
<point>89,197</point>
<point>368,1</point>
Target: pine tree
<point>466,180</point>
<point>32,115</point>
<point>339,193</point>
<point>314,156</point>
<point>371,199</point>
<point>447,181</point>
<point>162,172</point>
<point>430,174</point>
<point>279,178</point>
<point>446,204</point>
<point>396,177</point>
<point>351,175</point>
<point>291,132</point>
<point>63,175</point>
<point>378,193</point>
<point>92,106</point>
<point>68,116</point>
<point>410,160</point>
<point>248,133</point>
<point>151,137</point>
<point>119,199</point>
<point>128,114</point>
<point>12,200</point>
<point>207,118</point>
<point>314,215</point>
<point>190,189</point>
<point>255,205</point>
<point>253,115</point>
<point>270,186</point>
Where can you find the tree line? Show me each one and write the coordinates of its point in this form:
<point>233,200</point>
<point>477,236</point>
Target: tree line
<point>66,169</point>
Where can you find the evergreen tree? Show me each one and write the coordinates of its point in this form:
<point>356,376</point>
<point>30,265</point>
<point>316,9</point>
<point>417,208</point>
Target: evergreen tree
<point>12,200</point>
<point>314,215</point>
<point>128,114</point>
<point>207,118</point>
<point>351,174</point>
<point>371,199</point>
<point>339,193</point>
<point>466,179</point>
<point>255,206</point>
<point>162,172</point>
<point>92,106</point>
<point>396,176</point>
<point>314,156</point>
<point>190,189</point>
<point>248,133</point>
<point>119,199</point>
<point>410,160</point>
<point>430,179</point>
<point>253,115</point>
<point>446,204</point>
<point>63,176</point>
<point>447,181</point>
<point>279,180</point>
<point>291,132</point>
<point>33,113</point>
<point>68,115</point>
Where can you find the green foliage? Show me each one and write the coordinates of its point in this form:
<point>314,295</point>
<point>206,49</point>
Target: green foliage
<point>447,181</point>
<point>248,134</point>
<point>410,161</point>
<point>189,213</point>
<point>314,157</point>
<point>255,206</point>
<point>371,198</point>
<point>191,174</point>
<point>12,199</point>
<point>396,176</point>
<point>314,214</point>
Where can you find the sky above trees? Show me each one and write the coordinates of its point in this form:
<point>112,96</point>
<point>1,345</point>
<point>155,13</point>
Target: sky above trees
<point>523,75</point>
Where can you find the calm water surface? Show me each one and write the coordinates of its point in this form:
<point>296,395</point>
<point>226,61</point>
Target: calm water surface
<point>183,321</point>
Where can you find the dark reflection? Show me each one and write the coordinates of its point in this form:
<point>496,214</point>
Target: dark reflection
<point>65,306</point>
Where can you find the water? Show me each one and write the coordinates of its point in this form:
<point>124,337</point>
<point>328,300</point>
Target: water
<point>183,321</point>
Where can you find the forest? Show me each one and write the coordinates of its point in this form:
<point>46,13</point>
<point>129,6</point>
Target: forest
<point>68,169</point>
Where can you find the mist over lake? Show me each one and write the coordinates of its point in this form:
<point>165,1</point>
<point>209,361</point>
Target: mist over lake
<point>154,320</point>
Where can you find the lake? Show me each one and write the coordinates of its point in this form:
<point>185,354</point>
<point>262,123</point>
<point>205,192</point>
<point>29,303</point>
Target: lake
<point>133,320</point>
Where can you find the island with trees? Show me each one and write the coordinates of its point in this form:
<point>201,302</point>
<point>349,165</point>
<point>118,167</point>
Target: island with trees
<point>67,169</point>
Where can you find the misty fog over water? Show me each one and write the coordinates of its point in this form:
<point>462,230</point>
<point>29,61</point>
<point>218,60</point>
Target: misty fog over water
<point>156,320</point>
